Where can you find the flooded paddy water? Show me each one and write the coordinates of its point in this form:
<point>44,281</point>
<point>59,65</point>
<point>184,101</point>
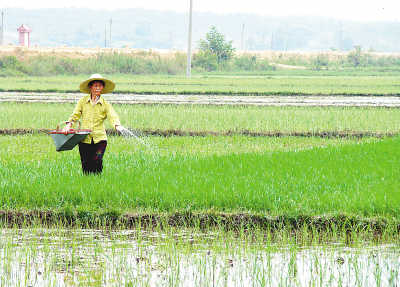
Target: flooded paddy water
<point>267,100</point>
<point>188,257</point>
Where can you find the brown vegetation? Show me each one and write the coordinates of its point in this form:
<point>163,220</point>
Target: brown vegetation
<point>79,52</point>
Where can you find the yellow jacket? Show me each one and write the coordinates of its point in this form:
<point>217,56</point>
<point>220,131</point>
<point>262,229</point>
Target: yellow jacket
<point>93,116</point>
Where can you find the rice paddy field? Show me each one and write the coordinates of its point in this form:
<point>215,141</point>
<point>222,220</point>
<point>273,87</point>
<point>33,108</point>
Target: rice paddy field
<point>203,118</point>
<point>205,195</point>
<point>286,83</point>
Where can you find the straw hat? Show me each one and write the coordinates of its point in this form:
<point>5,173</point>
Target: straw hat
<point>108,85</point>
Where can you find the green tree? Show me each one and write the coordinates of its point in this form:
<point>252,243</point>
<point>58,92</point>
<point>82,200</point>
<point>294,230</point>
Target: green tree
<point>216,44</point>
<point>320,62</point>
<point>205,61</point>
<point>355,58</point>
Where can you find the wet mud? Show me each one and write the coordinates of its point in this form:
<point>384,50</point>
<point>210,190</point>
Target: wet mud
<point>205,220</point>
<point>185,133</point>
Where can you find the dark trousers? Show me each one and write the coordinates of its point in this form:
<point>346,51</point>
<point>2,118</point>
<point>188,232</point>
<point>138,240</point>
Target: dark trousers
<point>92,157</point>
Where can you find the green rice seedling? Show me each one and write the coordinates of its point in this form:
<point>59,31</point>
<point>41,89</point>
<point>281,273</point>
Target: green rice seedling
<point>168,258</point>
<point>188,120</point>
<point>286,83</point>
<point>352,179</point>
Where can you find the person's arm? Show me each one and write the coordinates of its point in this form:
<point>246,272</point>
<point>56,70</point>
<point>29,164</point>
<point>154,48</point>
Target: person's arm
<point>113,116</point>
<point>75,116</point>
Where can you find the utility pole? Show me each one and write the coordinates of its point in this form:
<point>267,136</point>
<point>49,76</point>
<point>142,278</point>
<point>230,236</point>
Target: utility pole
<point>2,29</point>
<point>340,37</point>
<point>109,42</point>
<point>272,41</point>
<point>189,51</point>
<point>242,39</point>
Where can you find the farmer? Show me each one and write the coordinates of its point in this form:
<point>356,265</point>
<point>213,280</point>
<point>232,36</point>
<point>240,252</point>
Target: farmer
<point>92,110</point>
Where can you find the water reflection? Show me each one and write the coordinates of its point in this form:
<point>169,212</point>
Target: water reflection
<point>62,257</point>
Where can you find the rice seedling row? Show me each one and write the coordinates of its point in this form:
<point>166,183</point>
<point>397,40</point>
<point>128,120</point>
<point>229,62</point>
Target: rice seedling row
<point>264,85</point>
<point>216,119</point>
<point>244,176</point>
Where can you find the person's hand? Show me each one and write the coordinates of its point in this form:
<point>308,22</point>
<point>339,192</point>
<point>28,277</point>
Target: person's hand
<point>120,128</point>
<point>67,127</point>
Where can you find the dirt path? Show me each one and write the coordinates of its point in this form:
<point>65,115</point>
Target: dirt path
<point>301,100</point>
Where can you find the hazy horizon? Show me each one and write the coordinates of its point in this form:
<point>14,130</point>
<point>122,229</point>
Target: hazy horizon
<point>164,29</point>
<point>385,10</point>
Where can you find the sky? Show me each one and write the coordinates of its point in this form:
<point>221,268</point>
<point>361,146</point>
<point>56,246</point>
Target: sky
<point>359,10</point>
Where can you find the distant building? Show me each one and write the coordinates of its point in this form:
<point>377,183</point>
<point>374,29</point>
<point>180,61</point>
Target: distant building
<point>24,35</point>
